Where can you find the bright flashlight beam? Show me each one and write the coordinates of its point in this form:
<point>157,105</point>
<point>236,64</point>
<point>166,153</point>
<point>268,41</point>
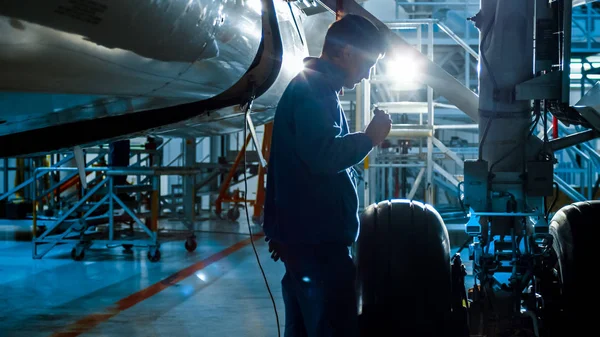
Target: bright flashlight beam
<point>403,71</point>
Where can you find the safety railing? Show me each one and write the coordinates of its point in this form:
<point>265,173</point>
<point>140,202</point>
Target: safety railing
<point>70,229</point>
<point>174,200</point>
<point>388,167</point>
<point>423,160</point>
<point>62,188</point>
<point>585,25</point>
<point>429,8</point>
<point>432,24</point>
<point>79,226</point>
<point>100,152</point>
<point>29,181</point>
<point>585,30</point>
<point>56,187</point>
<point>578,168</point>
<point>425,32</point>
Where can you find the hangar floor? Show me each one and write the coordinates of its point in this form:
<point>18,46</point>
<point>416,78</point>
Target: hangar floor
<point>218,290</point>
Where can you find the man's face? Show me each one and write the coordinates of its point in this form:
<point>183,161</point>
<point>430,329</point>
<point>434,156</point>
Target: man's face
<point>358,66</point>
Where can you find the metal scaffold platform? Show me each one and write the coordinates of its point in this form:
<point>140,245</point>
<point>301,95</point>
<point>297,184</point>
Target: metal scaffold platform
<point>97,208</point>
<point>66,201</point>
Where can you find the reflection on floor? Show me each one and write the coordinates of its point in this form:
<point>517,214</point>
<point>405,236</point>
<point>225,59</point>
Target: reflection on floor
<point>218,290</point>
<point>223,294</point>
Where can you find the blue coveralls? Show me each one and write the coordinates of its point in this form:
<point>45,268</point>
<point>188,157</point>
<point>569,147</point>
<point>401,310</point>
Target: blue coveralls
<point>311,205</point>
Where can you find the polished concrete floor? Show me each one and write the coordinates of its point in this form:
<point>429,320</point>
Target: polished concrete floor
<point>217,290</point>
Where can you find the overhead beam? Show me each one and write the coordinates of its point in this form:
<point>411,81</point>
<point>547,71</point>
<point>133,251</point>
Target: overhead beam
<point>582,2</point>
<point>573,139</point>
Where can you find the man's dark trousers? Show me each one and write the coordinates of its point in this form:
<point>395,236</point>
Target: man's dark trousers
<point>319,291</point>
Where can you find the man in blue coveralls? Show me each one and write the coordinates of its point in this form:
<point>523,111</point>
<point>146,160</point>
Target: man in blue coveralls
<point>311,207</point>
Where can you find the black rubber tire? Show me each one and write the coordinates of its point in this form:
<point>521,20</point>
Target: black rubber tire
<point>75,256</point>
<point>575,231</point>
<point>403,270</point>
<point>155,257</point>
<point>233,214</point>
<point>191,245</point>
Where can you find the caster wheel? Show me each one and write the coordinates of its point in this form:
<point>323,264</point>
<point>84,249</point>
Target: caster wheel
<point>127,248</point>
<point>233,214</point>
<point>260,219</point>
<point>190,245</point>
<point>154,257</point>
<point>77,253</point>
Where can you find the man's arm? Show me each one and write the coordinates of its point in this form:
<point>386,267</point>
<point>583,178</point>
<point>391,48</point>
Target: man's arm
<point>317,136</point>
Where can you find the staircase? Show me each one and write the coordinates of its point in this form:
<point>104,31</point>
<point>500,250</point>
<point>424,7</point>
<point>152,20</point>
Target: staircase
<point>430,160</point>
<point>577,172</point>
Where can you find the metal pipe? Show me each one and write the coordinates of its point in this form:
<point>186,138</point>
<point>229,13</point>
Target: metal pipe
<point>416,184</point>
<point>115,171</point>
<point>430,121</point>
<point>565,60</point>
<point>467,60</point>
<point>175,159</point>
<point>457,126</point>
<point>508,119</point>
<point>65,179</point>
<point>573,139</point>
<point>582,2</point>
<point>411,127</point>
<point>111,212</point>
<point>95,207</point>
<point>581,153</point>
<point>164,171</point>
<point>590,179</point>
<point>409,23</point>
<point>155,207</point>
<point>398,165</point>
<point>30,180</point>
<point>568,190</point>
<point>76,206</point>
<point>363,117</point>
<point>458,40</point>
<point>134,217</point>
<point>445,174</point>
<point>504,214</point>
<point>413,133</point>
<point>516,299</point>
<point>440,182</point>
<point>448,152</point>
<point>593,153</point>
<point>442,3</point>
<point>34,213</point>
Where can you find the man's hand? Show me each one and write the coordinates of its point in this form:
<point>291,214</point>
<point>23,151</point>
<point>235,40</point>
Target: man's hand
<point>274,249</point>
<point>380,126</point>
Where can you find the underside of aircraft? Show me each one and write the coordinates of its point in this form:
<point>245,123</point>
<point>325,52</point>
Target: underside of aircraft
<point>85,72</point>
<point>82,72</point>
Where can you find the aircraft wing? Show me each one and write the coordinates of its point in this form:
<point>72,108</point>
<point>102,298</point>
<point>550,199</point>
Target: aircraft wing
<point>82,72</point>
